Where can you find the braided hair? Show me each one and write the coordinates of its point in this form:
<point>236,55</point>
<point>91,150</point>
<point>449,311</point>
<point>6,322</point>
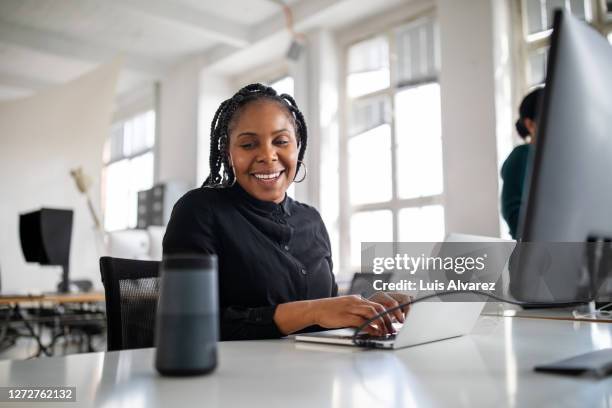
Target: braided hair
<point>221,173</point>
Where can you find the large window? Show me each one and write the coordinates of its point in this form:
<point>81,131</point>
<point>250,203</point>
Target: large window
<point>393,145</point>
<point>536,22</point>
<point>128,168</point>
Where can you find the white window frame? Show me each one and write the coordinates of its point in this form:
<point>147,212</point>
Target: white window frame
<point>595,15</point>
<point>387,26</point>
<point>133,155</point>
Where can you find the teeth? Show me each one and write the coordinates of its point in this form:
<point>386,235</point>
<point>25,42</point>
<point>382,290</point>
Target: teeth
<point>267,176</point>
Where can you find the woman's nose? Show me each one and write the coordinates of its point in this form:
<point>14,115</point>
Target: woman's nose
<point>267,153</point>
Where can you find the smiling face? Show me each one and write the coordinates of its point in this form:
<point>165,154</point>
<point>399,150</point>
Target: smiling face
<point>263,150</point>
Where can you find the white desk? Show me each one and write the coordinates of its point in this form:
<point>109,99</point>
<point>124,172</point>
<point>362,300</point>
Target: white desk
<point>491,367</point>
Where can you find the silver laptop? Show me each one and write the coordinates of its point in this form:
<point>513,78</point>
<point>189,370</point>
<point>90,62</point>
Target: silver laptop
<point>427,321</point>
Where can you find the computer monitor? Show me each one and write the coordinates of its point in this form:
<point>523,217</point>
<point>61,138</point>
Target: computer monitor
<point>569,194</point>
<point>45,239</point>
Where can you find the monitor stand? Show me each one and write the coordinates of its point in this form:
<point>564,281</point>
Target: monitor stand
<point>591,312</point>
<point>64,285</point>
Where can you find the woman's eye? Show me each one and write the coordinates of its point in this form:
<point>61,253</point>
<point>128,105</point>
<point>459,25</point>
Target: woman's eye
<point>282,142</point>
<point>247,145</point>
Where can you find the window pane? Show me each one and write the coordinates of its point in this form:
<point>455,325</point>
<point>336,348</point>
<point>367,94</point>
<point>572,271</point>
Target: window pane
<point>149,129</point>
<point>284,85</point>
<point>370,166</point>
<point>537,66</point>
<point>541,13</point>
<point>551,6</point>
<point>416,52</point>
<point>122,181</point>
<point>421,224</point>
<point>140,178</point>
<point>368,67</point>
<point>610,38</point>
<point>139,133</point>
<point>116,142</point>
<point>128,137</point>
<point>419,141</point>
<point>370,226</point>
<point>116,195</point>
<point>535,18</point>
<point>368,114</point>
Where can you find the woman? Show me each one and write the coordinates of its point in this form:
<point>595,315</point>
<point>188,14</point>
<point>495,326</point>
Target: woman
<point>514,168</point>
<point>275,268</point>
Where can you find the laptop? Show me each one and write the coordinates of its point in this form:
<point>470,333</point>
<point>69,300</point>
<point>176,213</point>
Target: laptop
<point>427,321</point>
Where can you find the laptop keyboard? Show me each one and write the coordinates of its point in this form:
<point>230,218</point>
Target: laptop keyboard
<point>369,337</point>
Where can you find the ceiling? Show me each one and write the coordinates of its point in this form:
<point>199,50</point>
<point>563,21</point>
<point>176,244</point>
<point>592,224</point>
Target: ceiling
<point>46,42</point>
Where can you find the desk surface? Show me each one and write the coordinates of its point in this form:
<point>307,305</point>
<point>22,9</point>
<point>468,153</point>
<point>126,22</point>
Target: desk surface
<point>491,367</point>
<point>84,297</point>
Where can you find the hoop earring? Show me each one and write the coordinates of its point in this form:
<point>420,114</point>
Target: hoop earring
<point>302,164</point>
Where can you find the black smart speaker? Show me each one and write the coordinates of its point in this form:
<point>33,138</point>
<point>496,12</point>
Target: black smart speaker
<point>187,326</point>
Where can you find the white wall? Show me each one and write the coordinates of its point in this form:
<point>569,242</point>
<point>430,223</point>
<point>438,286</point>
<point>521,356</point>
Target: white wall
<point>470,81</point>
<point>177,138</point>
<point>42,137</point>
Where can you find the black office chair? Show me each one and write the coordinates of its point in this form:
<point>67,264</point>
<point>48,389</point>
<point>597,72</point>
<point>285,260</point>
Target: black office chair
<point>131,288</point>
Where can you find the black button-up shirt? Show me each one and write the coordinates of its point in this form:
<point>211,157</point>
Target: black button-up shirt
<point>268,254</point>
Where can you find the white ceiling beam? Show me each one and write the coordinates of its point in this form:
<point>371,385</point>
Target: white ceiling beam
<point>65,46</point>
<point>24,82</point>
<point>304,12</point>
<point>214,27</point>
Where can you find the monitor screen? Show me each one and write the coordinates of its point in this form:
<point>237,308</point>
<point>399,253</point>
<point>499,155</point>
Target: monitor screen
<point>569,193</point>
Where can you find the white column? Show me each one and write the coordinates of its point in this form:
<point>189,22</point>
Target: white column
<point>213,90</point>
<point>474,91</point>
<point>176,148</point>
<point>316,91</point>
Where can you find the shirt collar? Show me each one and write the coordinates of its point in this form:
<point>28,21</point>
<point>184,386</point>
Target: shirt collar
<point>266,206</point>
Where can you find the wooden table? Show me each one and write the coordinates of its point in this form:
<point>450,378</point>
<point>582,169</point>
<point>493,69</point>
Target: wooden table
<point>85,297</point>
<point>34,311</point>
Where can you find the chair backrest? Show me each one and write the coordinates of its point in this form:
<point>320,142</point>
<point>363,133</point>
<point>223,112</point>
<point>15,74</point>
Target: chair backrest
<point>131,288</point>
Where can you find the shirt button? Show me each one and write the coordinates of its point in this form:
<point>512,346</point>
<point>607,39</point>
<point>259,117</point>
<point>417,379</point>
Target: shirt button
<point>303,271</point>
<point>286,247</point>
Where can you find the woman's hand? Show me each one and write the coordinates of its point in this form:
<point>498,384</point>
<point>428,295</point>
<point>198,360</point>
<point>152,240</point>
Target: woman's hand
<point>393,299</point>
<point>351,311</point>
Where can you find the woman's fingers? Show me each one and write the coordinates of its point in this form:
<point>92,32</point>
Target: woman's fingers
<point>356,320</point>
<point>369,311</point>
<point>389,302</point>
<point>402,299</point>
<point>386,316</point>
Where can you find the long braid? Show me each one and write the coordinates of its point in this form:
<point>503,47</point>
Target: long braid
<point>213,160</point>
<point>303,130</point>
<point>227,113</point>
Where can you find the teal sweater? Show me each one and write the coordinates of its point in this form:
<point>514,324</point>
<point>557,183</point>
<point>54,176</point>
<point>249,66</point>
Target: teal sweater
<point>513,174</point>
